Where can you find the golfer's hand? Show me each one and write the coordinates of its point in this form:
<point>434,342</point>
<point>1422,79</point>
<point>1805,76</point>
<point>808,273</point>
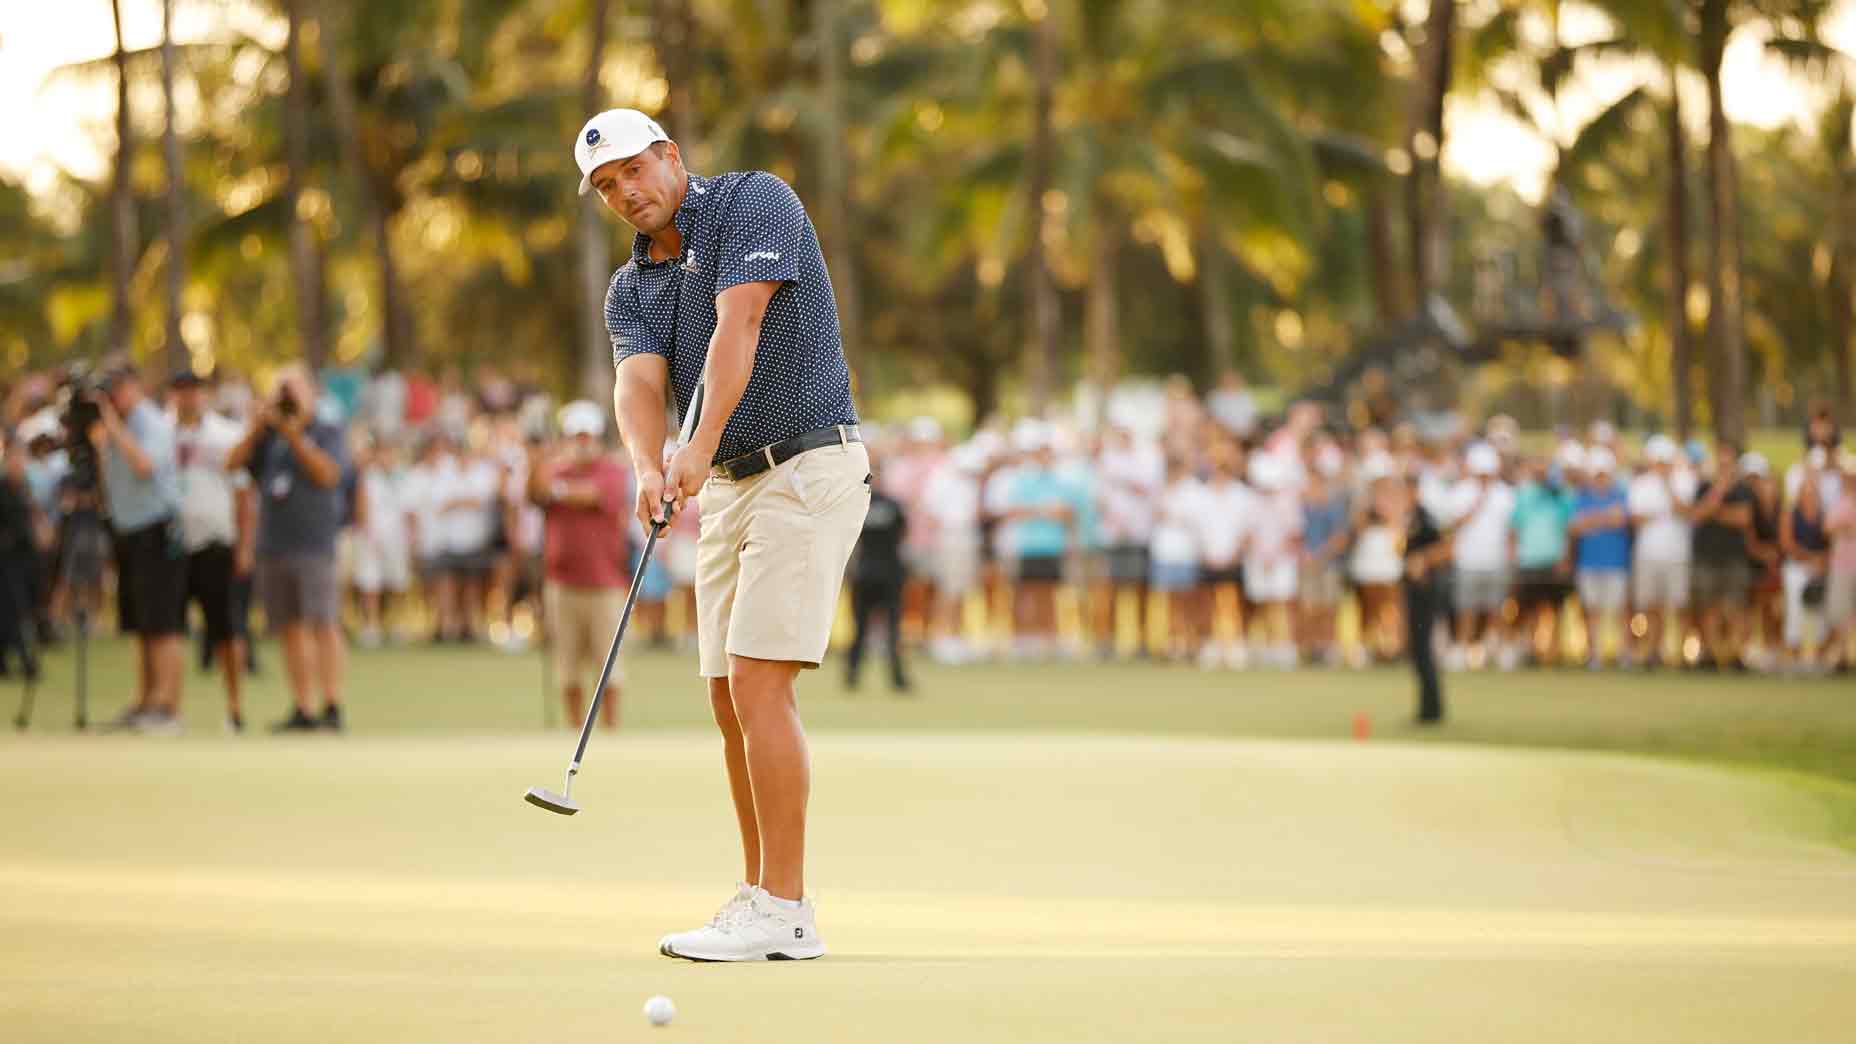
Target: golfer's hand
<point>650,498</point>
<point>689,469</point>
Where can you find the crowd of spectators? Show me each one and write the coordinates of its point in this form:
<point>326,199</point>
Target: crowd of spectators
<point>1198,532</point>
<point>398,508</point>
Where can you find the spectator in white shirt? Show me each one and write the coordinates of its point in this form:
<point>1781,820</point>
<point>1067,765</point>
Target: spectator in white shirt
<point>218,526</point>
<point>1225,512</point>
<point>1174,563</point>
<point>1130,476</point>
<point>1271,550</point>
<point>383,539</point>
<point>1659,499</point>
<point>1480,508</point>
<point>950,503</point>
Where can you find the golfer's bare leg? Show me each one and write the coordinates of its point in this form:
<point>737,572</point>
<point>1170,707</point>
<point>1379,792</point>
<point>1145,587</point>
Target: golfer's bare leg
<point>778,766</point>
<point>740,786</point>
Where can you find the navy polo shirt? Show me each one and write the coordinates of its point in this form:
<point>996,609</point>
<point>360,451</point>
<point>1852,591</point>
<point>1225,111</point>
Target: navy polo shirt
<point>740,228</point>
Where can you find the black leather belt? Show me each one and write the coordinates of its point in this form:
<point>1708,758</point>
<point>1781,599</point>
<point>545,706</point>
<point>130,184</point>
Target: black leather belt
<point>769,457</point>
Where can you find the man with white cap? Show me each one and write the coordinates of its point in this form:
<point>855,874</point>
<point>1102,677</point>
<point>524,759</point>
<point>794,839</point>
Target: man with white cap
<point>1659,498</point>
<point>726,286</point>
<point>1481,509</point>
<point>583,494</point>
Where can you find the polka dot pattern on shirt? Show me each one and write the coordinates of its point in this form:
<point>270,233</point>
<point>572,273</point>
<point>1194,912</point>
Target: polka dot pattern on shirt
<point>740,228</point>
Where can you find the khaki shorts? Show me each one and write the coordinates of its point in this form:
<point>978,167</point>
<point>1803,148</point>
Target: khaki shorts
<point>770,561</point>
<point>581,621</point>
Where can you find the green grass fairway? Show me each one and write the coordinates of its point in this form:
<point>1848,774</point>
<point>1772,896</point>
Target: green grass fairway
<point>1025,854</point>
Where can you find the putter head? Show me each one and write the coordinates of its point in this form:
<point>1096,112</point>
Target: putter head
<point>542,797</point>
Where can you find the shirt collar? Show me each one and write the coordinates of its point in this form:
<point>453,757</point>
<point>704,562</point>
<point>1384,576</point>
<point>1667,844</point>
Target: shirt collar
<point>696,196</point>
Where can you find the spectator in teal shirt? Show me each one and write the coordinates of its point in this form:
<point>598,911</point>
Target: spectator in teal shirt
<point>1543,513</point>
<point>1043,509</point>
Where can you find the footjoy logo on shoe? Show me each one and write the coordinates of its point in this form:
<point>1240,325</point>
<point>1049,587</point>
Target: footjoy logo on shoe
<point>762,255</point>
<point>799,933</point>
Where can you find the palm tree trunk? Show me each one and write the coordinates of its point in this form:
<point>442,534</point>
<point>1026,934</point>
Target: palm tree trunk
<point>596,373</point>
<point>398,346</point>
<point>1041,359</point>
<point>305,253</point>
<point>674,33</point>
<point>1675,221</point>
<point>1727,356</point>
<point>176,349</point>
<point>1424,188</point>
<point>1102,307</point>
<point>834,175</point>
<point>1382,253</point>
<point>1215,307</point>
<point>124,237</point>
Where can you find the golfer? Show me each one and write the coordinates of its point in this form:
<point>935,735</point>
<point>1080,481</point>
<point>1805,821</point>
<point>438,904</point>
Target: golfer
<point>726,271</point>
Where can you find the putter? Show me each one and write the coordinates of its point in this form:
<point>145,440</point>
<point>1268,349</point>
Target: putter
<point>562,803</point>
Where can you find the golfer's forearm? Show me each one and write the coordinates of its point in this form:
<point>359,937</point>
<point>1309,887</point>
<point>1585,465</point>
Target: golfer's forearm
<point>731,363</point>
<point>638,406</point>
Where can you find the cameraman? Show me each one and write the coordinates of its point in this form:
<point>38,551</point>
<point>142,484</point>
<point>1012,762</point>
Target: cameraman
<point>134,440</point>
<point>296,463</point>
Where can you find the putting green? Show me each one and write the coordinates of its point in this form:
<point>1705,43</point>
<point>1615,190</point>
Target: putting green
<point>975,887</point>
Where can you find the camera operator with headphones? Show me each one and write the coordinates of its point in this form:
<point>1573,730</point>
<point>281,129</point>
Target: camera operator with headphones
<point>134,440</point>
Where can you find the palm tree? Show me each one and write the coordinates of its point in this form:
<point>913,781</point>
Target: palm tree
<point>1045,348</point>
<point>834,170</point>
<point>124,243</point>
<point>176,235</point>
<point>1425,206</point>
<point>594,239</point>
<point>305,250</point>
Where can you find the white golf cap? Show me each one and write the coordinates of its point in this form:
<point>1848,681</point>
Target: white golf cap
<point>1754,464</point>
<point>615,134</point>
<point>581,417</point>
<point>1570,457</point>
<point>1600,461</point>
<point>1483,460</point>
<point>1660,449</point>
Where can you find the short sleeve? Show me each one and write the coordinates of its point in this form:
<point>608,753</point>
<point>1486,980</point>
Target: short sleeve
<point>764,228</point>
<point>625,321</point>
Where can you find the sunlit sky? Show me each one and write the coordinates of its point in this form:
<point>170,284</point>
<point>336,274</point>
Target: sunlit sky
<point>51,121</point>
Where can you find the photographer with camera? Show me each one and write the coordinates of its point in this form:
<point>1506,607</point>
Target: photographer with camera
<point>134,443</point>
<point>297,463</point>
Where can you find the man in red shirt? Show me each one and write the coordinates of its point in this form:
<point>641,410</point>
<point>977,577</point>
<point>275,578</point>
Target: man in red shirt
<point>585,495</point>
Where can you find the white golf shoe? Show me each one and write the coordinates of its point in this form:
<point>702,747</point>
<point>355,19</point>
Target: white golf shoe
<point>760,929</point>
<point>744,894</point>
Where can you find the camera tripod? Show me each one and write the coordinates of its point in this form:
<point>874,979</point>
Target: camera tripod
<point>82,549</point>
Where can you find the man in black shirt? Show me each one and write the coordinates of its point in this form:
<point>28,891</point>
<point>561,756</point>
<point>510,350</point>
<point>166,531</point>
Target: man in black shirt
<point>877,579</point>
<point>1426,548</point>
<point>1721,577</point>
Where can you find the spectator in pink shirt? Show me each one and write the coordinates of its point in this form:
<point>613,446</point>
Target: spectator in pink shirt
<point>585,496</point>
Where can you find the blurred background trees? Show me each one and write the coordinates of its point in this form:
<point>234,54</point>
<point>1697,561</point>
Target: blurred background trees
<point>1018,197</point>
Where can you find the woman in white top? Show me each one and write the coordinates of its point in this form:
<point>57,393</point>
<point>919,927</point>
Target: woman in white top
<point>470,508</point>
<point>1377,563</point>
<point>1173,565</point>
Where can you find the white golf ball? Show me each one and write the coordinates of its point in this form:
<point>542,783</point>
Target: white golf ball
<point>659,1010</point>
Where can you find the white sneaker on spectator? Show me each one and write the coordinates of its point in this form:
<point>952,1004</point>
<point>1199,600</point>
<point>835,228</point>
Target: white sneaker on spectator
<point>762,929</point>
<point>1508,658</point>
<point>744,894</point>
<point>159,723</point>
<point>1455,658</point>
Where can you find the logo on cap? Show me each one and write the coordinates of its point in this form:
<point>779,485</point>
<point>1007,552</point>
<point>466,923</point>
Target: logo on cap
<point>592,136</point>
